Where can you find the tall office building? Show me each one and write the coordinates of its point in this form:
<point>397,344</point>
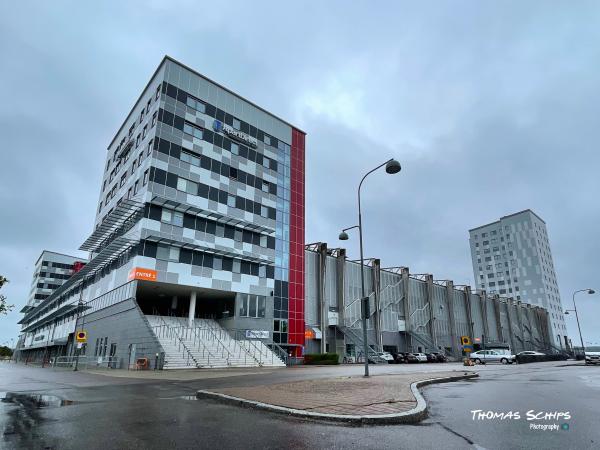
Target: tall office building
<point>512,257</point>
<point>200,215</point>
<point>51,271</point>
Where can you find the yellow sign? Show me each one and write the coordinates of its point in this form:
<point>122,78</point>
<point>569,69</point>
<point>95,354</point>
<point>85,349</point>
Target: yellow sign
<point>465,340</point>
<point>81,336</point>
<point>139,273</point>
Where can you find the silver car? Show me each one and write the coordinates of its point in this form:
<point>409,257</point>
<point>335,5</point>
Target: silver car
<point>486,356</point>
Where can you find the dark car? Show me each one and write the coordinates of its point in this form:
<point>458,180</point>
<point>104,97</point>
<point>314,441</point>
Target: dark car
<point>439,357</point>
<point>399,358</point>
<point>411,358</point>
<point>431,357</point>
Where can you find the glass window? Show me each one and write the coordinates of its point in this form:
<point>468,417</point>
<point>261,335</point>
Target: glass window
<point>146,177</point>
<point>162,252</point>
<point>178,218</point>
<point>236,124</point>
<point>238,235</point>
<point>252,305</point>
<point>267,139</point>
<point>166,216</point>
<point>235,149</point>
<point>174,253</point>
<point>231,201</point>
<point>243,305</point>
<point>192,130</point>
<point>263,241</point>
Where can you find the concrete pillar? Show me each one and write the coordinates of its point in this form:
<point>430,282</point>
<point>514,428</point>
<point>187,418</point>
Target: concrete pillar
<point>431,303</point>
<point>192,312</point>
<point>486,326</point>
<point>467,294</point>
<point>174,302</point>
<point>496,302</point>
<point>340,271</point>
<point>511,334</point>
<point>407,310</point>
<point>375,272</point>
<point>451,318</point>
<point>322,301</point>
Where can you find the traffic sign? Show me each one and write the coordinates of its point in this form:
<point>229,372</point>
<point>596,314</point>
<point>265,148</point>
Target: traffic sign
<point>467,348</point>
<point>81,336</point>
<point>465,340</point>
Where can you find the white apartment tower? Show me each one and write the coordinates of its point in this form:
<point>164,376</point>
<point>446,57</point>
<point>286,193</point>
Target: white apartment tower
<point>512,257</point>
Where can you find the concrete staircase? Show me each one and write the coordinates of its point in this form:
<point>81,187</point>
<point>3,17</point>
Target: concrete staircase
<point>207,345</point>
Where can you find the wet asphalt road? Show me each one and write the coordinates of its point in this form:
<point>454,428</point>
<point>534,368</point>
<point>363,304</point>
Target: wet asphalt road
<point>109,412</point>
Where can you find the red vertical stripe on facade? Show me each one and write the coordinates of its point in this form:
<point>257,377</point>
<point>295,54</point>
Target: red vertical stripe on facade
<point>296,279</point>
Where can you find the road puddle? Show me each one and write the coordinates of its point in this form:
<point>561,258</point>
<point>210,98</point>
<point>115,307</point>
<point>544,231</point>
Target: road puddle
<point>34,400</point>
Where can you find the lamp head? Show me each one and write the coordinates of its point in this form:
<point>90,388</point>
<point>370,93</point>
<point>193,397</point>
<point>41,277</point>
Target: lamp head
<point>343,236</point>
<point>392,166</point>
<point>591,291</point>
<point>566,313</point>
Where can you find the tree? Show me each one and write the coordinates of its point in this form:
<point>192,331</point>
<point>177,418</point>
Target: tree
<point>4,307</point>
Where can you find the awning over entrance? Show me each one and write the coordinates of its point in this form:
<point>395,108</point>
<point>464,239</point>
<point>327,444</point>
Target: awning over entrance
<point>313,333</point>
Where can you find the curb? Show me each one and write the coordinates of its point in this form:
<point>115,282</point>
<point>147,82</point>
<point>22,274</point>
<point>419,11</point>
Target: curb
<point>418,413</point>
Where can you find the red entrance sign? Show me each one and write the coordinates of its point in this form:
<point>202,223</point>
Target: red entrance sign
<point>139,273</point>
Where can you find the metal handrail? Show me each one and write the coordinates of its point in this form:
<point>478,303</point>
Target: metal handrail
<point>189,354</point>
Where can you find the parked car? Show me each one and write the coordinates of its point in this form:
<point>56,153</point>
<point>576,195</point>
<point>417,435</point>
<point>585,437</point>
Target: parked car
<point>431,357</point>
<point>486,356</point>
<point>386,356</point>
<point>440,357</point>
<point>530,353</point>
<point>399,358</point>
<point>592,357</point>
<point>411,358</point>
<point>421,357</point>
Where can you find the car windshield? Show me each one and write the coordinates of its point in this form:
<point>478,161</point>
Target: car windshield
<point>592,349</point>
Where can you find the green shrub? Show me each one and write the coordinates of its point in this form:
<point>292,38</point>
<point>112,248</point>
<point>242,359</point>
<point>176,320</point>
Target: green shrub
<point>321,358</point>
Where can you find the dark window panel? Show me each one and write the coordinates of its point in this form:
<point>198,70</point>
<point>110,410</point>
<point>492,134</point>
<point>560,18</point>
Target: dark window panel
<point>211,227</point>
<point>228,119</point>
<point>178,122</point>
<point>272,213</point>
<point>185,256</point>
<point>213,194</point>
<point>175,151</point>
<point>243,152</point>
<point>229,232</point>
<point>211,110</point>
<point>207,261</point>
<point>171,91</point>
<point>197,258</point>
<point>181,96</point>
<point>222,197</point>
<point>164,146</point>
<point>155,212</point>
<point>228,264</point>
<point>189,221</point>
<point>240,203</point>
<point>253,131</point>
<point>218,140</point>
<point>171,180</point>
<point>244,127</point>
<point>220,115</point>
<point>203,190</point>
<point>201,224</point>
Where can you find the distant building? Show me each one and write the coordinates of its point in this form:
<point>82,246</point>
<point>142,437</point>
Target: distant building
<point>512,257</point>
<point>51,271</point>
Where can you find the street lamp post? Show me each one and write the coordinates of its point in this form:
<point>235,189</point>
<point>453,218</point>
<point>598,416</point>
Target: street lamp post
<point>589,291</point>
<point>79,308</point>
<point>391,166</point>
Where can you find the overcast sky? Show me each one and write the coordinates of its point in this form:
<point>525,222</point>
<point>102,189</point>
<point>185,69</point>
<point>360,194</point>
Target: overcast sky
<point>490,107</point>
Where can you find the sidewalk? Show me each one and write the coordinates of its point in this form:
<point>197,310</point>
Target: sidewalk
<point>391,398</point>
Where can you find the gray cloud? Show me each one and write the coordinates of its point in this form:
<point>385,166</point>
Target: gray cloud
<point>491,109</point>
